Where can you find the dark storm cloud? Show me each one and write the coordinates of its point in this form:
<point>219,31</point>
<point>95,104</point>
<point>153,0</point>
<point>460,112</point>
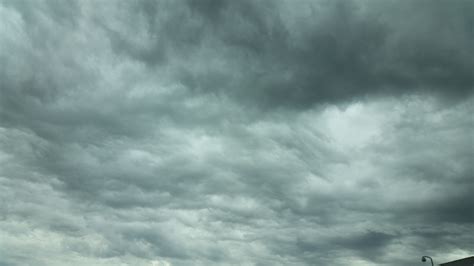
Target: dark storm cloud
<point>282,54</point>
<point>132,133</point>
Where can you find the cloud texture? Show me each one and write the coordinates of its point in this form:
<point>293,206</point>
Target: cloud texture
<point>207,132</point>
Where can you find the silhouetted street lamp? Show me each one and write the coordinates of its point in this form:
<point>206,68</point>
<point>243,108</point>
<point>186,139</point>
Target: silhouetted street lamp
<point>423,259</point>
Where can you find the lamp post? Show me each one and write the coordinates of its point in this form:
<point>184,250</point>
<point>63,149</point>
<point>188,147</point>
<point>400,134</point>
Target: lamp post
<point>423,259</point>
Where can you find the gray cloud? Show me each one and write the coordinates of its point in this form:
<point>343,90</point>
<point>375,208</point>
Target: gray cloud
<point>281,54</point>
<point>235,132</point>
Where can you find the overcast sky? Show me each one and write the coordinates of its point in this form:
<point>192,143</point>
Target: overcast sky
<point>236,132</point>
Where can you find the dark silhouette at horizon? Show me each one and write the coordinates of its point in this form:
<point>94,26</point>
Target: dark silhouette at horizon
<point>468,261</point>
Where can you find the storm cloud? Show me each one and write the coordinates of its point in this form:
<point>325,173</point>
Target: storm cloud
<point>206,132</point>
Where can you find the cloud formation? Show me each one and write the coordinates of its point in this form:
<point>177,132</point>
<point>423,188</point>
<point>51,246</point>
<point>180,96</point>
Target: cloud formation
<point>235,132</point>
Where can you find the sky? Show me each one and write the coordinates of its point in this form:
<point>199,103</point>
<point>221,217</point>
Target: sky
<point>236,132</point>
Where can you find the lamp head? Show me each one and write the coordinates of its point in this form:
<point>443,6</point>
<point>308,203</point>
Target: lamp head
<point>424,259</point>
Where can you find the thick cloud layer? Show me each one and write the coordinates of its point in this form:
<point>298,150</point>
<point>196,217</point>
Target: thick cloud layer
<point>207,132</point>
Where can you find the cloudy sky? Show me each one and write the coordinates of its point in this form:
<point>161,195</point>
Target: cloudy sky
<point>236,132</point>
